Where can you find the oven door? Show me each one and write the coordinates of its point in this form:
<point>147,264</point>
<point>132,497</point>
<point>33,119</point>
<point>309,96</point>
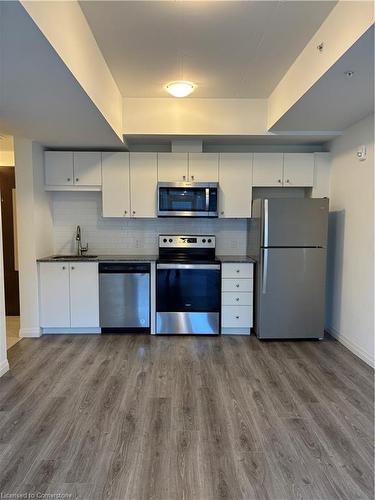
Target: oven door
<point>187,200</point>
<point>188,298</point>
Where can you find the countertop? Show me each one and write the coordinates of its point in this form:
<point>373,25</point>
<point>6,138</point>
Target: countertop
<point>140,258</point>
<point>235,259</point>
<point>104,258</point>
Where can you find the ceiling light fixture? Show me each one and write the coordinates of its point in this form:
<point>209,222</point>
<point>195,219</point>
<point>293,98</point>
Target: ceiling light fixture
<point>180,88</point>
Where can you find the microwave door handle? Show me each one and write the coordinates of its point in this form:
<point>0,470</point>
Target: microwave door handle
<point>207,199</point>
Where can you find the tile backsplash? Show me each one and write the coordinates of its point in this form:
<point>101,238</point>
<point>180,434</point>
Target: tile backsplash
<point>132,236</point>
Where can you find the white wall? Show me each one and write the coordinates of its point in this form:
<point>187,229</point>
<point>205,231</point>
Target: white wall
<point>34,225</point>
<point>132,236</point>
<point>350,276</point>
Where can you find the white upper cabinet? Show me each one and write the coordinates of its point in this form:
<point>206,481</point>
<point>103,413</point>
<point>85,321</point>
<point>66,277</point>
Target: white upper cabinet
<point>54,294</point>
<point>87,168</point>
<point>73,170</point>
<point>268,169</point>
<point>84,295</point>
<point>172,167</point>
<point>203,167</point>
<point>235,181</point>
<point>298,169</point>
<point>322,174</point>
<point>58,168</point>
<point>115,184</point>
<point>143,183</point>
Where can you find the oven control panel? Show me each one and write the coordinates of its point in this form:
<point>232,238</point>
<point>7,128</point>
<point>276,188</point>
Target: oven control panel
<point>186,241</point>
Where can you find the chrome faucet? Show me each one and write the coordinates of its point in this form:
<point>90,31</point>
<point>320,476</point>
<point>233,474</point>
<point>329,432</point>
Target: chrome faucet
<point>80,249</point>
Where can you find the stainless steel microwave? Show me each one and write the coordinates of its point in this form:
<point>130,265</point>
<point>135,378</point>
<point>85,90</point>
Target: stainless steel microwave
<point>187,199</point>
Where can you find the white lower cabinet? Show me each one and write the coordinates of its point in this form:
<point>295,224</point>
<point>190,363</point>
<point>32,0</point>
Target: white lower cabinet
<point>69,294</point>
<point>54,294</point>
<point>237,298</point>
<point>84,295</point>
<point>237,317</point>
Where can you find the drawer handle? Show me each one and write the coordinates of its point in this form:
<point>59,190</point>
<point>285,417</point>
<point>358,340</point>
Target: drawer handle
<point>238,271</point>
<point>237,317</point>
<point>237,298</point>
<point>238,286</point>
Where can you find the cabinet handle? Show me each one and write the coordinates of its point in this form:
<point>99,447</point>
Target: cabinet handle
<point>238,271</point>
<point>192,177</point>
<point>237,317</point>
<point>72,268</point>
<point>184,177</point>
<point>222,212</point>
<point>68,179</point>
<point>133,212</point>
<point>279,181</point>
<point>125,212</point>
<point>77,179</point>
<point>64,268</point>
<point>238,286</point>
<point>287,181</point>
<point>237,298</point>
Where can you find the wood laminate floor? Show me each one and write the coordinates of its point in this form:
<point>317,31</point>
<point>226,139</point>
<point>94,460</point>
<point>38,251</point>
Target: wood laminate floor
<point>183,418</point>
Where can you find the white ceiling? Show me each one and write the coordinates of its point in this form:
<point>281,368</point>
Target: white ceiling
<point>335,102</point>
<point>39,97</point>
<point>230,49</point>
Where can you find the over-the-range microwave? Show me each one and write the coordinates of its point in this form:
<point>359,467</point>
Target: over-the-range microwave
<point>187,199</point>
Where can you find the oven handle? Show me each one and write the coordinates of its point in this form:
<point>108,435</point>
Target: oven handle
<point>188,266</point>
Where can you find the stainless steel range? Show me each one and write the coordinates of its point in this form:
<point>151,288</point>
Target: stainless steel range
<point>188,280</point>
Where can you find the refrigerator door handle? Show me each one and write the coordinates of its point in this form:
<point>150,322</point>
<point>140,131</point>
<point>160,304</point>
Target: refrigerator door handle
<point>265,233</point>
<point>264,271</point>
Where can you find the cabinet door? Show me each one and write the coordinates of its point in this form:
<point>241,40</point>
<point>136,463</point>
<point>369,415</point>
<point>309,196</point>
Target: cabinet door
<point>58,168</point>
<point>84,295</point>
<point>172,167</point>
<point>54,294</point>
<point>115,185</point>
<point>143,182</point>
<point>203,167</point>
<point>322,172</point>
<point>267,169</point>
<point>298,169</point>
<point>87,168</point>
<point>235,181</point>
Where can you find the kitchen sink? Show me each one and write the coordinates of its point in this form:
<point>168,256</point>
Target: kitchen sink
<point>74,257</point>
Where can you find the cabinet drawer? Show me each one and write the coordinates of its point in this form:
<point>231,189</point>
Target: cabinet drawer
<point>237,285</point>
<point>237,299</point>
<point>241,270</point>
<point>237,316</point>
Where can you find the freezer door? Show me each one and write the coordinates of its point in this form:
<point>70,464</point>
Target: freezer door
<point>290,293</point>
<point>295,222</point>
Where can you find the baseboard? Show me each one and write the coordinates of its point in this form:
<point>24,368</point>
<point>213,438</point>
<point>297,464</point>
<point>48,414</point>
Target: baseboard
<point>71,331</point>
<point>235,331</point>
<point>355,349</point>
<point>4,367</point>
<point>30,332</point>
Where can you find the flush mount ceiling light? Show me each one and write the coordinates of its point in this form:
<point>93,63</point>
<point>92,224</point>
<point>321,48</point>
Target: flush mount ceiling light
<point>180,88</point>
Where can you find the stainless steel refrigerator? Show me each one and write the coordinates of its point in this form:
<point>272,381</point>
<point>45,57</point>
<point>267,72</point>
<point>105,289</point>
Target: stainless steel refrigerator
<point>288,237</point>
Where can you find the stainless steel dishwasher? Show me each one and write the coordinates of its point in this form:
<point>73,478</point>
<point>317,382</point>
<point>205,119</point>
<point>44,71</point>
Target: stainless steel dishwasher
<point>124,297</point>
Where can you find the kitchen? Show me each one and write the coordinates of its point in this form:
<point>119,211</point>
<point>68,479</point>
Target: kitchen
<point>188,235</point>
<point>151,185</point>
